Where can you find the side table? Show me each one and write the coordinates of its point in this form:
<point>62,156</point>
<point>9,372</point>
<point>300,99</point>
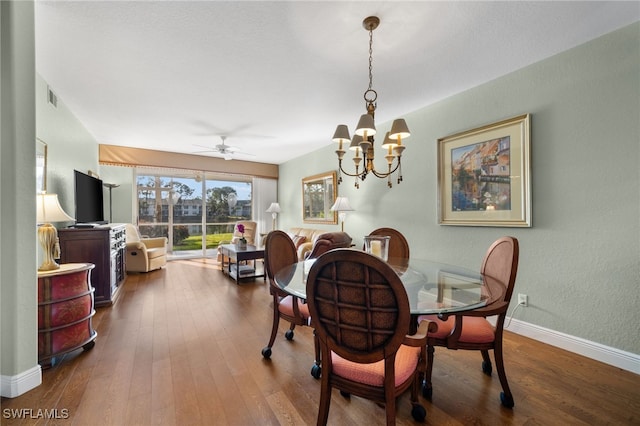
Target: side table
<point>233,253</point>
<point>65,309</point>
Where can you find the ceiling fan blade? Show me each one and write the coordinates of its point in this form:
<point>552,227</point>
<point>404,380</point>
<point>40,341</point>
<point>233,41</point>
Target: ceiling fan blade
<point>205,147</point>
<point>223,150</point>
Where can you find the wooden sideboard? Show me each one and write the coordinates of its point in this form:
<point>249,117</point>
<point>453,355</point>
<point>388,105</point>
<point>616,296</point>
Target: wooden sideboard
<point>65,310</point>
<point>105,247</point>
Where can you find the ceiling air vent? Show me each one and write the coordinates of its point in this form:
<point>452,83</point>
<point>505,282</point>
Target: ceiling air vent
<point>53,99</point>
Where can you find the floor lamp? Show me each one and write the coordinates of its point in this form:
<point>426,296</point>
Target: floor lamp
<point>341,206</point>
<point>274,209</point>
<point>111,186</point>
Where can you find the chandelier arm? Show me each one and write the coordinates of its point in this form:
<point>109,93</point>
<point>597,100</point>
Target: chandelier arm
<point>384,175</point>
<point>356,174</point>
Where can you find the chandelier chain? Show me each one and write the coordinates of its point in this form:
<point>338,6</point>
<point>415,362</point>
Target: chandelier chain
<point>366,131</point>
<point>370,58</point>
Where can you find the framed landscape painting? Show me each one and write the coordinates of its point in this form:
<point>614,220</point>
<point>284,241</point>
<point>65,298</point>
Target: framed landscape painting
<point>484,175</point>
<point>319,192</point>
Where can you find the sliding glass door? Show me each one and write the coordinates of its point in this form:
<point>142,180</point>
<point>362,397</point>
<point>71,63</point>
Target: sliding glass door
<point>195,210</point>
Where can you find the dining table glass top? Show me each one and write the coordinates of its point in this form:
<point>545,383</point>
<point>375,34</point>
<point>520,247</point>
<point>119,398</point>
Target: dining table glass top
<point>432,287</point>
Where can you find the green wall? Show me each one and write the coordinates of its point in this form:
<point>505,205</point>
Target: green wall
<point>69,145</point>
<point>18,291</point>
<point>580,262</point>
<point>27,115</point>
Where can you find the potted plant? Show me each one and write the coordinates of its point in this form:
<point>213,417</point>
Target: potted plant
<point>241,244</point>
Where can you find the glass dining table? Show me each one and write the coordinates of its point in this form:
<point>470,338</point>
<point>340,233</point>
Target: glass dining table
<point>432,287</point>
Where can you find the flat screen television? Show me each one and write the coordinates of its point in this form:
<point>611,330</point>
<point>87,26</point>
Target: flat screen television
<point>89,199</point>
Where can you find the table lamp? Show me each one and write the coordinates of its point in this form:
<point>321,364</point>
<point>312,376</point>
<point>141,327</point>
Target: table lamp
<point>274,209</point>
<point>341,206</point>
<point>48,210</point>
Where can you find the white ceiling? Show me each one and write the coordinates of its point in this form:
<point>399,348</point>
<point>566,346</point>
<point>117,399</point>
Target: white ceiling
<point>276,77</point>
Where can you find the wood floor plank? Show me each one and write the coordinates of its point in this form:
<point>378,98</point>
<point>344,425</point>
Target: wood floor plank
<point>182,345</point>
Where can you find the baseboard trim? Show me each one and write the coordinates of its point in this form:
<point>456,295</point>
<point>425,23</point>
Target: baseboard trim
<point>612,356</point>
<point>13,386</point>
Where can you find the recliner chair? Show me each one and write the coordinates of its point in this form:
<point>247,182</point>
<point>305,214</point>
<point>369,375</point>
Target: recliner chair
<point>144,254</point>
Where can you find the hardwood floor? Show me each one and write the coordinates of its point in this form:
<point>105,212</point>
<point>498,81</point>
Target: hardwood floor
<point>181,346</point>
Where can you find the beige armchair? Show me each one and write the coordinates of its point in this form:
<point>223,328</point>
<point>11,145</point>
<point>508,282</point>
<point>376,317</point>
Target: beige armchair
<point>144,254</point>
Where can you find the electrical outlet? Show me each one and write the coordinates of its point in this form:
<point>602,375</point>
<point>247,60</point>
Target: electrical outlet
<point>522,299</point>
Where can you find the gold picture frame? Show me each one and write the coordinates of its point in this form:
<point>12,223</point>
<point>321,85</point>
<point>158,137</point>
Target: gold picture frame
<point>319,192</point>
<point>484,175</point>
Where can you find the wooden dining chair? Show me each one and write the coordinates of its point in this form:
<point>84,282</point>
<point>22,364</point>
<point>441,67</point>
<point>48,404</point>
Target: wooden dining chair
<point>398,244</point>
<point>360,311</point>
<point>280,252</point>
<point>471,330</point>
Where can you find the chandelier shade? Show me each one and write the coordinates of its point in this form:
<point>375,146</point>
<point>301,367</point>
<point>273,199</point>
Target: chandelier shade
<point>363,138</point>
<point>341,134</point>
<point>399,129</point>
<point>366,126</point>
<point>388,142</point>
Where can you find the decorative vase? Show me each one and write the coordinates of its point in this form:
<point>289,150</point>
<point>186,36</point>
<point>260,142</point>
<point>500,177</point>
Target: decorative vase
<point>242,243</point>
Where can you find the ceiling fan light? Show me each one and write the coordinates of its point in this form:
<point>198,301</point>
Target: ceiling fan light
<point>366,126</point>
<point>399,129</point>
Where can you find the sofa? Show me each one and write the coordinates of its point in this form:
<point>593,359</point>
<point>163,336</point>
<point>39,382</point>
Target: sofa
<point>305,239</point>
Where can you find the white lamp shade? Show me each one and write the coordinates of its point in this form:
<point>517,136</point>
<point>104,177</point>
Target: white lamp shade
<point>341,205</point>
<point>48,209</point>
<point>274,208</point>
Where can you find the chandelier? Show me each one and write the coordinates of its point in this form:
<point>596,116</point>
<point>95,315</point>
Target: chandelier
<point>363,138</point>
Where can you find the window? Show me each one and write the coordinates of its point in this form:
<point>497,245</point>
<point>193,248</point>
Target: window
<point>195,210</point>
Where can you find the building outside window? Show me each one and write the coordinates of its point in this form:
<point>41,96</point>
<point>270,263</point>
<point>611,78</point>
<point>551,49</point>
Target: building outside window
<point>195,210</point>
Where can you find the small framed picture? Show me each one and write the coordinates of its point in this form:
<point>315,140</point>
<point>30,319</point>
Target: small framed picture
<point>484,175</point>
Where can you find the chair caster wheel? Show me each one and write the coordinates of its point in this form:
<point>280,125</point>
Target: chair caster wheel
<point>266,352</point>
<point>427,392</point>
<point>289,334</point>
<point>486,368</point>
<point>506,401</point>
<point>345,395</point>
<point>418,413</point>
<point>316,371</point>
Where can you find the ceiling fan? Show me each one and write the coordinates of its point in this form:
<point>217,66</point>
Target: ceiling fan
<point>225,151</point>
